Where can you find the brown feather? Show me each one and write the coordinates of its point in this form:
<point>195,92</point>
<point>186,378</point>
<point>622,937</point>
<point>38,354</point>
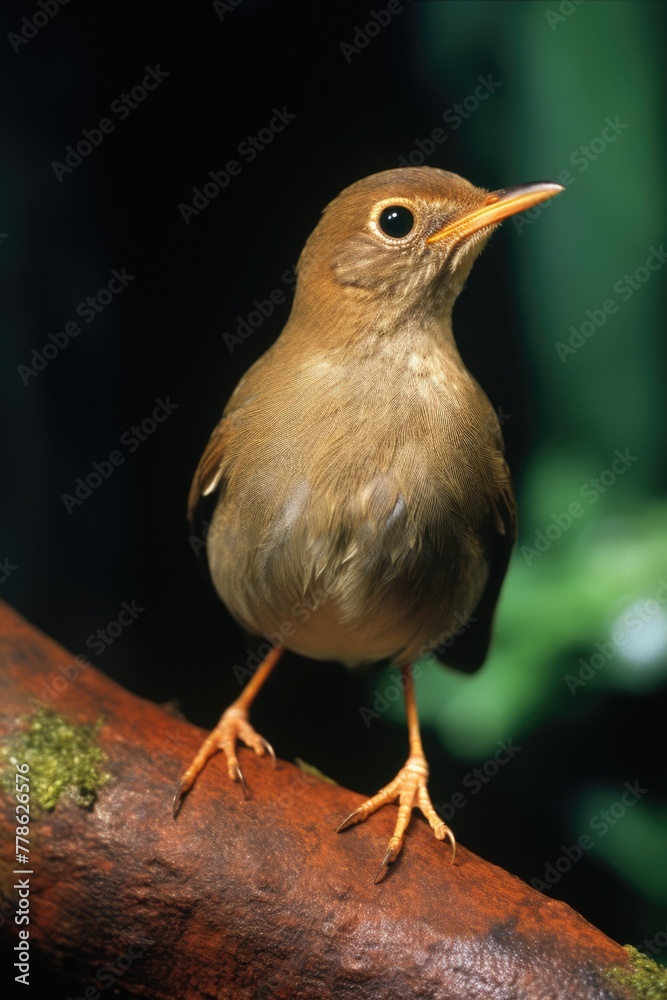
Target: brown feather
<point>364,503</point>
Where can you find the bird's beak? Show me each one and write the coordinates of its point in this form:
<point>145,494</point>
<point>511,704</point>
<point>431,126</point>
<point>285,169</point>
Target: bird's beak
<point>497,205</point>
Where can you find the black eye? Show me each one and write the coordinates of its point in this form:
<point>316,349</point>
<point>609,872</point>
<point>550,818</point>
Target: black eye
<point>396,221</point>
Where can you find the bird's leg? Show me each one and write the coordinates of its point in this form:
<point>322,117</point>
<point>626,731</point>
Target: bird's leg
<point>409,787</point>
<point>233,726</point>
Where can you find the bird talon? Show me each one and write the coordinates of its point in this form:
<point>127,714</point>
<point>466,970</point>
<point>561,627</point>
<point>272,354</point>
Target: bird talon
<point>353,818</point>
<point>449,835</point>
<point>409,788</point>
<point>232,728</point>
<point>238,776</point>
<point>269,749</point>
<point>389,857</point>
<point>181,792</point>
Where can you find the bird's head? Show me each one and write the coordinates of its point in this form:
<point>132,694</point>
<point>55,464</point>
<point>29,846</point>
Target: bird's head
<point>412,234</point>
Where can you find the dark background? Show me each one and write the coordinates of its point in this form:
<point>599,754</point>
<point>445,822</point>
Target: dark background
<point>555,81</point>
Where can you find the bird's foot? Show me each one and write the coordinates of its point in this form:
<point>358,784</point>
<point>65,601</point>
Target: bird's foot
<point>409,787</point>
<point>233,726</point>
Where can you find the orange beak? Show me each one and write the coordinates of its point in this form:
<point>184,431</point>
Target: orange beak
<point>498,205</point>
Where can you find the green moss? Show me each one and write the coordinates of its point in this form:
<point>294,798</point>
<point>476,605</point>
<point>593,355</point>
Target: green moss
<point>64,760</point>
<point>648,980</point>
<point>313,771</point>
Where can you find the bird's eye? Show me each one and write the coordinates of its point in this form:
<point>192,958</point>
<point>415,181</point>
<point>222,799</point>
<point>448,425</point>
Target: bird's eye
<point>396,221</point>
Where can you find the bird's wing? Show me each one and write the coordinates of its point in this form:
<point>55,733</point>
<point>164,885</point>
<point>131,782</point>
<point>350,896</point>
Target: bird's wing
<point>469,649</point>
<point>207,476</point>
<point>212,463</point>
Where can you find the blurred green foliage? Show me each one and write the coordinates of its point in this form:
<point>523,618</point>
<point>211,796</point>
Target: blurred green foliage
<point>578,102</point>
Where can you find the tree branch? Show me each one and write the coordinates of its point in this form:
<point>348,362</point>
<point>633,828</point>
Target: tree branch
<point>256,898</point>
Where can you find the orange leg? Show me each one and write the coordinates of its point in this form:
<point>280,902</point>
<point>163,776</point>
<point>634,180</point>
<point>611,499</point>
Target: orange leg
<point>409,787</point>
<point>233,726</point>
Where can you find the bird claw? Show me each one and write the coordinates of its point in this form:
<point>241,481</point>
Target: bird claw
<point>350,821</point>
<point>449,835</point>
<point>269,749</point>
<point>409,787</point>
<point>239,777</point>
<point>232,727</point>
<point>181,792</point>
<point>389,857</point>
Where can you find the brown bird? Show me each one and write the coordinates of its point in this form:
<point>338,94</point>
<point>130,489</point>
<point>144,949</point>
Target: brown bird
<point>359,467</point>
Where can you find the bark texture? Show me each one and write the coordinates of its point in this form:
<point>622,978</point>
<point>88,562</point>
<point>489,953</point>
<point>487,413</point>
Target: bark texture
<point>259,899</point>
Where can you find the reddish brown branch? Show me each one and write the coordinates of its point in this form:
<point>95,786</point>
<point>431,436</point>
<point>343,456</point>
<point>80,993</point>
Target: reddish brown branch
<point>260,898</point>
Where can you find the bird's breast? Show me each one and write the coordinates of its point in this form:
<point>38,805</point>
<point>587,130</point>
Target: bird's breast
<point>352,529</point>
